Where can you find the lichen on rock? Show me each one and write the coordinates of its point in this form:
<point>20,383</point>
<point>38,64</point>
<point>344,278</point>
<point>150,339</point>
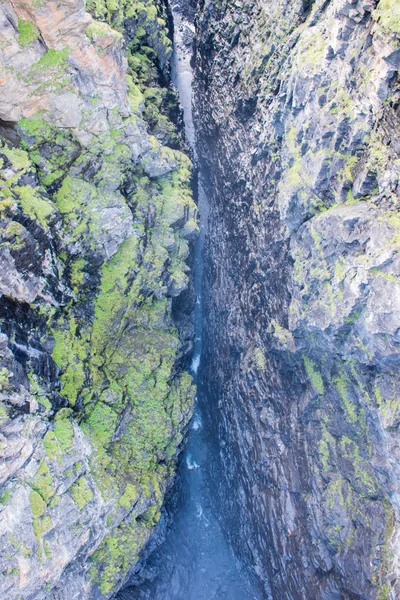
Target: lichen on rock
<point>300,135</point>
<point>96,215</point>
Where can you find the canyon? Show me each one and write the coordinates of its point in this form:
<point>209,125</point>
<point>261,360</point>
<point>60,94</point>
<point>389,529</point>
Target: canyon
<point>278,478</point>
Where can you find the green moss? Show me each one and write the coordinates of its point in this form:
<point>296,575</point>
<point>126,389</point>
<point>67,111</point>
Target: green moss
<point>384,592</point>
<point>124,348</point>
<point>81,492</point>
<point>70,352</point>
<point>3,413</point>
<point>15,234</point>
<point>129,497</point>
<point>102,422</point>
<point>43,482</point>
<point>151,40</point>
<point>40,526</point>
<point>348,169</point>
<point>136,97</point>
<point>53,59</point>
<point>387,556</point>
<point>35,127</point>
<point>4,497</point>
<point>47,550</point>
<point>113,299</point>
<point>388,15</point>
<point>259,358</point>
<point>64,430</point>
<point>340,272</point>
<point>44,402</point>
<point>96,29</point>
<point>341,382</point>
<point>27,33</point>
<point>19,158</point>
<point>77,273</point>
<point>59,440</point>
<point>33,205</point>
<point>81,203</point>
<point>116,554</point>
<point>38,505</point>
<point>52,448</point>
<point>323,450</point>
<point>312,50</point>
<point>50,178</point>
<point>26,552</point>
<point>342,103</point>
<point>282,334</point>
<point>363,477</point>
<point>378,395</point>
<point>313,375</point>
<point>4,379</point>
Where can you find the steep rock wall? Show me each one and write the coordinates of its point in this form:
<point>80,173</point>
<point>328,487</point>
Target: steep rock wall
<point>96,218</point>
<point>299,126</point>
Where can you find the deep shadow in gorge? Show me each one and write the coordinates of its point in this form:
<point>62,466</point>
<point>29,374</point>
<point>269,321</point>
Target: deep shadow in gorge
<point>189,557</point>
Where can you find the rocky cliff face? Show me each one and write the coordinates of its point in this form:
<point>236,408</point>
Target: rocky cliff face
<point>96,219</point>
<point>299,127</point>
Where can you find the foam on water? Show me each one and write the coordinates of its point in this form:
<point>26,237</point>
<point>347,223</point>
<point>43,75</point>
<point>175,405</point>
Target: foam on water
<point>191,464</point>
<point>197,423</point>
<point>194,367</point>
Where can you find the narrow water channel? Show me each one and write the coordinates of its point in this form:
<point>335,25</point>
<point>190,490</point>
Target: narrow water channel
<point>194,562</point>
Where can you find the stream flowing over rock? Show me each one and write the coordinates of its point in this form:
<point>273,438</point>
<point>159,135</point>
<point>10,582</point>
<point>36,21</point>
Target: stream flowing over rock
<point>295,135</point>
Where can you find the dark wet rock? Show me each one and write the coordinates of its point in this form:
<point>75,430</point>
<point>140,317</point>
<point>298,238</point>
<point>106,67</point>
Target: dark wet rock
<point>302,309</point>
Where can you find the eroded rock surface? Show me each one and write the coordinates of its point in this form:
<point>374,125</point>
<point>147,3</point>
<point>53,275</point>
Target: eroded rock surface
<point>96,218</point>
<point>299,127</point>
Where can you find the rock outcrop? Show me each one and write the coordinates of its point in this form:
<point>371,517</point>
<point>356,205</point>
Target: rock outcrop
<point>299,126</point>
<point>96,218</point>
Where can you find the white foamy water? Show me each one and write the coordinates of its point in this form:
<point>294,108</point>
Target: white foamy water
<point>182,73</point>
<point>191,464</point>
<point>195,364</point>
<point>200,515</point>
<point>197,423</point>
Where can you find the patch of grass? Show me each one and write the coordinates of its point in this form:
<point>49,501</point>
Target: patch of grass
<point>52,59</point>
<point>27,33</point>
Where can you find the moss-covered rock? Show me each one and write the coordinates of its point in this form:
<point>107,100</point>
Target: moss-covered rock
<point>96,216</point>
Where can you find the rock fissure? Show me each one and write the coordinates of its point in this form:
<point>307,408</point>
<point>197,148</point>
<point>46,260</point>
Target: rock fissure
<point>286,308</point>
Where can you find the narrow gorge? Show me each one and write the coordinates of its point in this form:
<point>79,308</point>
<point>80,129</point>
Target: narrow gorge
<point>199,300</point>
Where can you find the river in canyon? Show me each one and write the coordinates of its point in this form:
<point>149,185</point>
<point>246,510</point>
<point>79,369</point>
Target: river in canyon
<point>194,560</point>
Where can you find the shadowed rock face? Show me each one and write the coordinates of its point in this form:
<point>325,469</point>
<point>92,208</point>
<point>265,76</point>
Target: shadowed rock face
<point>297,110</point>
<point>96,219</point>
